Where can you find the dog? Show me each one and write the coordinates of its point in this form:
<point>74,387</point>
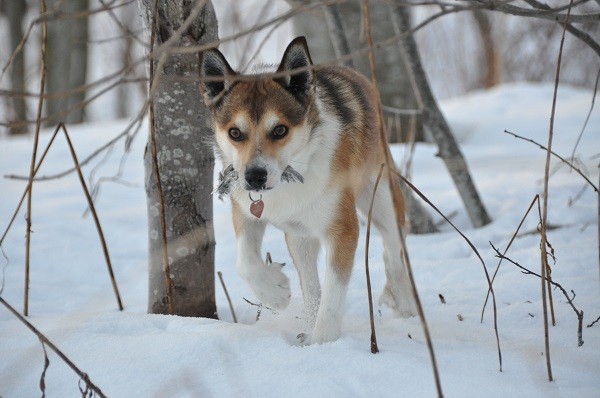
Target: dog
<point>302,150</point>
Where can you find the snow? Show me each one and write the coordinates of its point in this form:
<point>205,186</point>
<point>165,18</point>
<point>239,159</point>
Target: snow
<point>133,354</point>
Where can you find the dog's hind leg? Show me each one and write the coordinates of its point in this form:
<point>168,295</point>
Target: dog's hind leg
<point>305,252</point>
<point>388,216</point>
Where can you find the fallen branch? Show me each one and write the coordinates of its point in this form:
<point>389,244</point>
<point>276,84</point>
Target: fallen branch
<point>526,271</point>
<point>45,341</point>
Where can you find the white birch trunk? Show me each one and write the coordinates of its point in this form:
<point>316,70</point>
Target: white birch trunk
<point>185,164</point>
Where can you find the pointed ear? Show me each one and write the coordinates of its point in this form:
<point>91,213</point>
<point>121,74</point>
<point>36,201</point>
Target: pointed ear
<point>216,75</point>
<point>296,55</point>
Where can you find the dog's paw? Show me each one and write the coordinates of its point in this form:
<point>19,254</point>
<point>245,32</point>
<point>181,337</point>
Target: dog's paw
<point>401,302</point>
<point>320,335</point>
<point>272,286</point>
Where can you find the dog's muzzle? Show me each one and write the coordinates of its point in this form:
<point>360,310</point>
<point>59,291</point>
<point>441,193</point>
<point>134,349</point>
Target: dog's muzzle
<point>256,178</point>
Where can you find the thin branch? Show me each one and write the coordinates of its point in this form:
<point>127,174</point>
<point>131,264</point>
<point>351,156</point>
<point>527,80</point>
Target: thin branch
<point>593,323</point>
<point>514,236</point>
<point>38,126</point>
<point>549,15</point>
<point>227,295</point>
<point>83,376</point>
<point>587,117</point>
<point>558,285</point>
<point>391,167</point>
<point>374,348</point>
<point>557,156</point>
<point>544,215</point>
<point>94,215</point>
<point>473,248</point>
<point>37,167</point>
<point>583,36</point>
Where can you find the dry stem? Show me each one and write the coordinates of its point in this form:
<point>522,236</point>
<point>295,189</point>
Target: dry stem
<point>536,198</point>
<point>549,281</point>
<point>34,156</point>
<point>565,161</point>
<point>422,196</point>
<point>374,348</point>
<point>94,215</point>
<point>391,167</point>
<point>227,295</point>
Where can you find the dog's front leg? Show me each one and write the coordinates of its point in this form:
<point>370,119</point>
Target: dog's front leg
<point>340,240</point>
<point>305,252</point>
<point>267,281</point>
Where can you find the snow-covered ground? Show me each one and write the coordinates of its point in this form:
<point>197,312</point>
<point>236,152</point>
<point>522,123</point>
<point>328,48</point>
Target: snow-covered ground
<point>133,354</point>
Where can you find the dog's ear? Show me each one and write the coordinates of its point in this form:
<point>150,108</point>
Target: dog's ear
<point>296,56</point>
<point>216,76</point>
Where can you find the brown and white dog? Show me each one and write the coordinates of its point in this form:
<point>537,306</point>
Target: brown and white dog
<point>301,150</point>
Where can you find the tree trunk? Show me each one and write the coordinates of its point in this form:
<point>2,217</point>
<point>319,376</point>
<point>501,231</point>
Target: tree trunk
<point>397,91</point>
<point>433,118</point>
<point>394,86</point>
<point>16,14</point>
<point>185,167</point>
<point>490,70</point>
<point>67,63</point>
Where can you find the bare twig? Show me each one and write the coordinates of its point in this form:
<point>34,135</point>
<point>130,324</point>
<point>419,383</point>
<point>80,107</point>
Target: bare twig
<point>374,348</point>
<point>38,126</point>
<point>557,156</point>
<point>37,167</point>
<point>391,167</point>
<point>473,248</point>
<point>94,215</point>
<point>544,215</point>
<point>47,342</point>
<point>587,117</point>
<point>260,307</point>
<point>593,323</point>
<point>62,127</point>
<point>536,198</point>
<point>227,295</point>
<point>526,271</point>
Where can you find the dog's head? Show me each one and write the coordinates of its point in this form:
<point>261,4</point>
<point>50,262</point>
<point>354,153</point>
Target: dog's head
<point>261,122</point>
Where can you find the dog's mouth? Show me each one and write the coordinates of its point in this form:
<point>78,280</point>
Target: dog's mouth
<point>257,190</point>
<point>229,176</point>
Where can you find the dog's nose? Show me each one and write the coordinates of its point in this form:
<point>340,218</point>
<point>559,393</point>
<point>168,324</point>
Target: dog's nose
<point>256,177</point>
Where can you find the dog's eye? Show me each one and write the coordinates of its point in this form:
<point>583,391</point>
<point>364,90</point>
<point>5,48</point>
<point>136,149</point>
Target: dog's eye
<point>235,134</point>
<point>279,132</point>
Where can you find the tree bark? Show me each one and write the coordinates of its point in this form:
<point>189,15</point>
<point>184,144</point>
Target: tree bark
<point>16,14</point>
<point>67,63</point>
<point>433,118</point>
<point>185,166</point>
